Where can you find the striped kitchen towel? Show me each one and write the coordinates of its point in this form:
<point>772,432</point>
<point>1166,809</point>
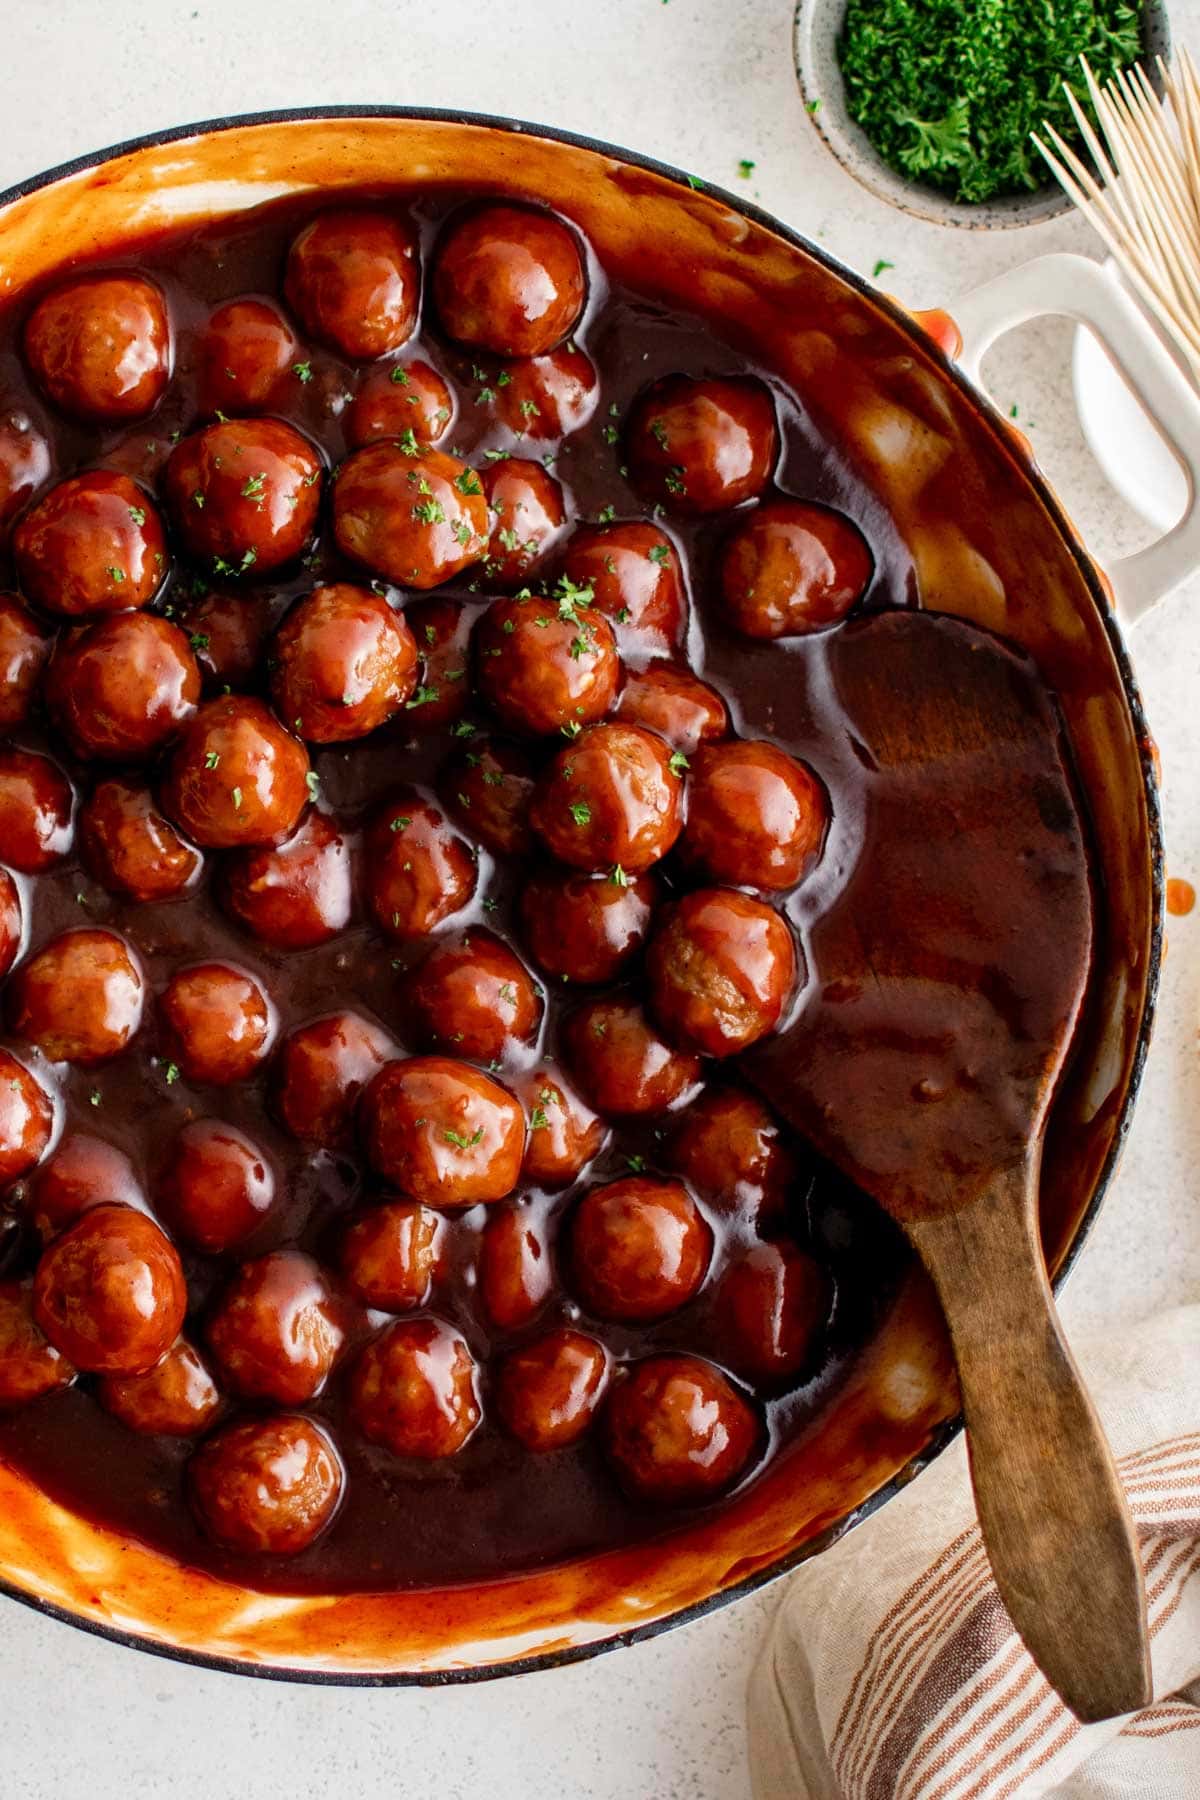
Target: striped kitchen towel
<point>892,1671</point>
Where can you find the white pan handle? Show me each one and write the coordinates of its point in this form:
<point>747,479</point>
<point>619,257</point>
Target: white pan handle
<point>1077,288</point>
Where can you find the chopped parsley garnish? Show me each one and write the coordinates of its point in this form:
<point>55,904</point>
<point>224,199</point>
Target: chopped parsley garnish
<point>497,455</point>
<point>460,1141</point>
<point>581,812</point>
<point>508,993</point>
<point>422,697</point>
<point>659,553</point>
<point>312,782</point>
<point>211,759</point>
<point>636,1163</point>
<point>199,640</point>
<point>171,1074</point>
<point>538,1119</point>
<point>399,376</point>
<point>253,487</point>
<point>115,574</point>
<point>746,168</point>
<point>674,480</point>
<point>880,266</point>
<point>302,371</point>
<point>138,514</point>
<point>399,823</point>
<point>408,442</point>
<point>236,795</point>
<point>464,728</point>
<point>611,434</point>
<point>695,182</point>
<point>658,432</point>
<point>677,763</point>
<point>468,482</point>
<point>429,512</point>
<point>618,876</point>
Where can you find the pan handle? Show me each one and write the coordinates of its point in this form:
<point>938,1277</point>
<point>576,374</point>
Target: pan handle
<point>1076,288</point>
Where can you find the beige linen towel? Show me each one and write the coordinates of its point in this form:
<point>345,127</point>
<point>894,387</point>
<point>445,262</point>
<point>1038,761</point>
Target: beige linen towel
<point>892,1671</point>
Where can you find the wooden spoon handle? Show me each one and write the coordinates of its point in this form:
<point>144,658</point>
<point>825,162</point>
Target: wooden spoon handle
<point>1055,1521</point>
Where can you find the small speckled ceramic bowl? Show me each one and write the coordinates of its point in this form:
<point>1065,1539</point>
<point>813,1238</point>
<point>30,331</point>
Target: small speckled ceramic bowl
<point>818,26</point>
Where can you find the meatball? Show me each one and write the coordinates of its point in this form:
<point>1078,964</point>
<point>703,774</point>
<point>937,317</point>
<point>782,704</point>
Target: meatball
<point>244,494</point>
<point>488,787</point>
<point>130,848</point>
<point>216,1023</point>
<point>700,445</point>
<point>442,1132</point>
<point>415,519</point>
<point>418,871</point>
<point>227,634</point>
<point>509,279</point>
<point>792,568</point>
<point>93,544</point>
<point>544,665</point>
<point>564,1134</point>
<point>24,652</point>
<point>29,1366</point>
<point>109,1293</point>
<point>585,928</point>
<point>296,895</point>
<point>35,811</point>
<point>623,1066</point>
<point>353,281</point>
<point>729,1147</point>
<point>236,777</point>
<point>177,1398</point>
<point>720,969</point>
<point>413,1390</point>
<point>320,1071</point>
<point>473,995</point>
<point>123,687</point>
<point>99,347</point>
<point>546,396</point>
<point>547,1392</point>
<point>756,816</point>
<point>217,1186</point>
<point>80,998</point>
<point>276,1330</point>
<point>24,462</point>
<point>526,505</point>
<point>442,630</point>
<point>772,1306</point>
<point>408,401</point>
<point>678,1430</point>
<point>246,353</point>
<point>515,1273</point>
<point>392,1255</point>
<point>635,576</point>
<point>11,922</point>
<point>676,704</point>
<point>344,662</point>
<point>83,1172</point>
<point>612,799</point>
<point>26,1119</point>
<point>266,1486</point>
<point>640,1249</point>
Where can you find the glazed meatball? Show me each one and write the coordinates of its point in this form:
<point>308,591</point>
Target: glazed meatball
<point>442,631</point>
<point>177,1398</point>
<point>29,1366</point>
<point>442,1132</point>
<point>11,922</point>
<point>294,896</point>
<point>24,652</point>
<point>488,787</point>
<point>622,1065</point>
<point>244,494</point>
<point>83,1172</point>
<point>729,1147</point>
<point>408,401</point>
<point>772,1306</point>
<point>216,1023</point>
<point>392,1255</point>
<point>109,1293</point>
<point>320,1071</point>
<point>413,1390</point>
<point>791,568</point>
<point>353,281</point>
<point>344,662</point>
<point>509,279</point>
<point>545,664</point>
<point>123,688</point>
<point>515,1273</point>
<point>585,928</point>
<point>130,848</point>
<point>246,354</point>
<point>93,544</point>
<point>266,1486</point>
<point>217,1186</point>
<point>415,519</point>
<point>26,1119</point>
<point>756,816</point>
<point>547,1392</point>
<point>276,1330</point>
<point>80,998</point>
<point>676,704</point>
<point>99,347</point>
<point>474,996</point>
<point>236,777</point>
<point>612,799</point>
<point>678,1430</point>
<point>24,462</point>
<point>35,811</point>
<point>227,634</point>
<point>701,445</point>
<point>526,506</point>
<point>640,1249</point>
<point>564,1134</point>
<point>546,396</point>
<point>418,870</point>
<point>720,969</point>
<point>635,576</point>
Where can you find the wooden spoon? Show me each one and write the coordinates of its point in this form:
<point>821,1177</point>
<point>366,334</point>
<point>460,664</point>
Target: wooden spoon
<point>947,975</point>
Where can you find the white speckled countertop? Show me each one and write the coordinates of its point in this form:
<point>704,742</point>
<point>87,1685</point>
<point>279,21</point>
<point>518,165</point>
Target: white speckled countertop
<point>702,83</point>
